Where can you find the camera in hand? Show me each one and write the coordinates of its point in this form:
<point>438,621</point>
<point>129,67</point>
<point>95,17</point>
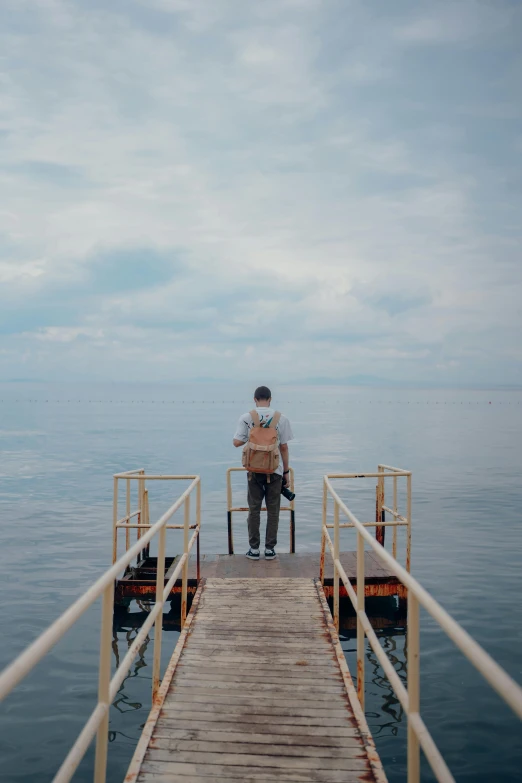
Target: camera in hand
<point>287,493</point>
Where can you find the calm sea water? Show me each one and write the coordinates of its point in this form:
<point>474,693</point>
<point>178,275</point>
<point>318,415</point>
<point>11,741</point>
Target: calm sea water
<point>60,446</point>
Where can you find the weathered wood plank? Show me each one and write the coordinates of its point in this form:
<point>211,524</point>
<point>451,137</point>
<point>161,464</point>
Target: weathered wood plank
<point>217,772</point>
<point>258,609</point>
<point>263,636</point>
<point>270,630</point>
<point>233,747</point>
<point>284,717</point>
<point>248,712</point>
<point>153,777</point>
<point>213,696</point>
<point>208,643</point>
<point>171,734</point>
<point>202,723</point>
<point>250,676</point>
<point>235,688</point>
<point>260,760</point>
<point>298,666</point>
<point>207,652</point>
<point>272,625</point>
<point>254,620</point>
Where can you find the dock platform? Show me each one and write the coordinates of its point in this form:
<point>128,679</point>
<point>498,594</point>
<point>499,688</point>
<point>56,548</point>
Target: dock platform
<point>257,689</point>
<point>140,582</point>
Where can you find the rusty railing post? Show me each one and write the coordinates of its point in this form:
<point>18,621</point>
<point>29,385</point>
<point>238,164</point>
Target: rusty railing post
<point>413,687</point>
<point>360,609</point>
<point>184,573</point>
<point>292,514</point>
<point>158,627</point>
<point>114,521</point>
<point>146,518</point>
<point>323,536</point>
<point>379,513</point>
<point>408,514</point>
<point>395,511</point>
<point>336,560</point>
<point>128,507</point>
<point>198,528</point>
<point>141,514</point>
<point>229,513</point>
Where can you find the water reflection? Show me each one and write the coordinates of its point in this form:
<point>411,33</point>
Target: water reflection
<point>383,710</point>
<point>134,693</point>
<point>126,619</point>
<point>390,705</point>
<point>122,702</point>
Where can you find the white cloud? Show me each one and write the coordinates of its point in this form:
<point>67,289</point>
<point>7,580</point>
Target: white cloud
<point>285,146</point>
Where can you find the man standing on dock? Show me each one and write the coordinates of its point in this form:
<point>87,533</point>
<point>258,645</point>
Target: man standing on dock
<point>265,486</point>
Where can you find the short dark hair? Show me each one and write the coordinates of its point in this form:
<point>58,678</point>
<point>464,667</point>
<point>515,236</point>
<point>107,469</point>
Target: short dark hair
<point>262,393</point>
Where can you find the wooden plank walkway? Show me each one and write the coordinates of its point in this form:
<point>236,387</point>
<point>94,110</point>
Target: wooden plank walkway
<point>257,690</point>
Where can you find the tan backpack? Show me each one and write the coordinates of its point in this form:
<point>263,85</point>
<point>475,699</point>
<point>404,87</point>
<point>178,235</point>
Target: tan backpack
<point>261,452</point>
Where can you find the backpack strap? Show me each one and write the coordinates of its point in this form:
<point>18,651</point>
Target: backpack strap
<point>255,418</point>
<point>275,419</point>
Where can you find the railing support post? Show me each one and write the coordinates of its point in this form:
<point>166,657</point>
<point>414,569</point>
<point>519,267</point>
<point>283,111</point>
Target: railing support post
<point>229,514</point>
<point>379,531</point>
<point>146,519</point>
<point>104,682</point>
<point>408,515</point>
<point>360,609</point>
<point>323,536</point>
<point>335,570</point>
<point>128,507</point>
<point>158,627</point>
<point>198,523</point>
<point>413,687</point>
<point>292,514</point>
<point>142,516</point>
<point>184,572</point>
<point>394,543</point>
<point>114,521</point>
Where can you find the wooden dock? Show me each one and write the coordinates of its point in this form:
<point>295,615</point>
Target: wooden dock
<point>257,689</point>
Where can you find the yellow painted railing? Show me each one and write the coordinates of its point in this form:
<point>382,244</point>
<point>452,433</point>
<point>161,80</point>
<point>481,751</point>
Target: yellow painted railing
<point>418,734</point>
<point>231,509</point>
<point>98,722</point>
<point>383,472</point>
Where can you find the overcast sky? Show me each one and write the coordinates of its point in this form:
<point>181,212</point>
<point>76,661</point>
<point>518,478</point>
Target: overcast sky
<point>273,190</point>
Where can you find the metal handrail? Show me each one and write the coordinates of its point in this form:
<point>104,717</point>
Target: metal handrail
<point>231,509</point>
<point>383,472</point>
<point>98,722</point>
<point>418,734</point>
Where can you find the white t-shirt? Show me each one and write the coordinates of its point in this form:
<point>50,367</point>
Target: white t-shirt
<point>284,430</point>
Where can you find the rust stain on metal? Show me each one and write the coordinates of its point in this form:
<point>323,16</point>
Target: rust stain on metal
<point>381,589</point>
<point>301,663</point>
<point>360,681</point>
<point>367,777</point>
<point>127,589</point>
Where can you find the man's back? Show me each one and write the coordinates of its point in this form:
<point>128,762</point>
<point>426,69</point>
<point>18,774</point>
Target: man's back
<point>246,423</point>
<point>265,486</point>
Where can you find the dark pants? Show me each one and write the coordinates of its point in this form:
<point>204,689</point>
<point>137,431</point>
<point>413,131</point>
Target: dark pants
<point>259,489</point>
